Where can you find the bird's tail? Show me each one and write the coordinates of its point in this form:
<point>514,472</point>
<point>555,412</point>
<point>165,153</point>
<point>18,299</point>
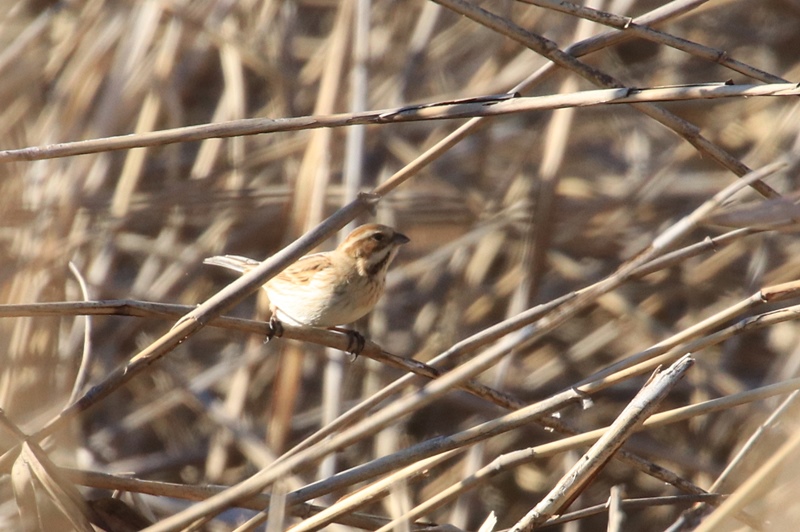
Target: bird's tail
<point>233,262</point>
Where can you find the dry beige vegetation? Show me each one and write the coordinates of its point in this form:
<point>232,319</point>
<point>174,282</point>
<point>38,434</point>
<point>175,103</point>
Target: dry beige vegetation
<point>520,213</point>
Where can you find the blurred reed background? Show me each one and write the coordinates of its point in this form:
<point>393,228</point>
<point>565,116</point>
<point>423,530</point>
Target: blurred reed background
<point>527,208</point>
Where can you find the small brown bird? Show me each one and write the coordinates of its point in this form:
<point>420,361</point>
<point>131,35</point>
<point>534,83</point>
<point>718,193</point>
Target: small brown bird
<point>330,288</point>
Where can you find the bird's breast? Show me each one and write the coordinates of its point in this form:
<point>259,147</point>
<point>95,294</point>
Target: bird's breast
<point>325,303</point>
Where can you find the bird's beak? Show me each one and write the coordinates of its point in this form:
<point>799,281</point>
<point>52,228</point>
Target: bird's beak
<point>400,239</point>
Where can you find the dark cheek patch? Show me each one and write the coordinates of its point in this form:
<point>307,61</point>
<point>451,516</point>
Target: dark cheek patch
<point>367,250</point>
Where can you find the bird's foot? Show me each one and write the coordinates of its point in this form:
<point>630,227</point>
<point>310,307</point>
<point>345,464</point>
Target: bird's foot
<point>355,342</point>
<point>275,329</point>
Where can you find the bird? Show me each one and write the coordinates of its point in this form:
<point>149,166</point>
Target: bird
<point>332,288</point>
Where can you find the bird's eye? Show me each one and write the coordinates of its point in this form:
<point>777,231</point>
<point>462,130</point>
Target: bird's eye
<point>377,237</point>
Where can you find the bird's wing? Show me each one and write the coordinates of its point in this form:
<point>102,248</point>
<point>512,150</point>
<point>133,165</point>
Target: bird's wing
<point>304,270</point>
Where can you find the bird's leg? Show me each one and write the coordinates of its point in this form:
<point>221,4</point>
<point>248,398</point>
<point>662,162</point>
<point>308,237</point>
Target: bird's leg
<point>355,341</point>
<point>275,328</point>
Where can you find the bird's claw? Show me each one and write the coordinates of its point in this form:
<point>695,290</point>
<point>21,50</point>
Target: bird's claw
<point>275,329</point>
<point>355,344</point>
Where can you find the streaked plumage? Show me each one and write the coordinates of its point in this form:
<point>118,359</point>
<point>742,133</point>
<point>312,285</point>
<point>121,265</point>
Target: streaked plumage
<point>330,288</point>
